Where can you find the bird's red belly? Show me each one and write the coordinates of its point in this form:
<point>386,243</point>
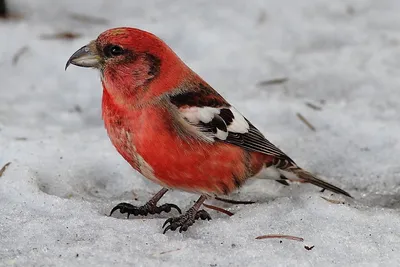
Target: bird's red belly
<point>153,147</point>
<point>191,166</point>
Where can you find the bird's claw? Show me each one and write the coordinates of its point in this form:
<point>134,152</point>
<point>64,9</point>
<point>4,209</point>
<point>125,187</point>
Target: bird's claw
<point>184,221</point>
<point>148,208</point>
<point>202,214</point>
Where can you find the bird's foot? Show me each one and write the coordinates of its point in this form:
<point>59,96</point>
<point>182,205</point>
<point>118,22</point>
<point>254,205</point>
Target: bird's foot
<point>148,208</point>
<point>184,221</point>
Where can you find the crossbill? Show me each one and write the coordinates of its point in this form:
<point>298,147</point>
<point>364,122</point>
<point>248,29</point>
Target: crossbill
<point>175,129</point>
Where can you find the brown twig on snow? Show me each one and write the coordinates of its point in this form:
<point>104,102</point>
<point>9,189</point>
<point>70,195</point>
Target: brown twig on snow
<point>273,81</point>
<point>231,201</point>
<point>18,54</point>
<point>11,16</point>
<point>61,35</point>
<point>311,105</point>
<point>334,201</point>
<point>290,237</point>
<point>88,19</point>
<point>168,251</point>
<point>306,122</point>
<point>227,212</point>
<point>2,170</point>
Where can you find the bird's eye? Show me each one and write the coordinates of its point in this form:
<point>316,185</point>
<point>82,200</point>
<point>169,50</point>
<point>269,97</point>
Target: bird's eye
<point>113,51</point>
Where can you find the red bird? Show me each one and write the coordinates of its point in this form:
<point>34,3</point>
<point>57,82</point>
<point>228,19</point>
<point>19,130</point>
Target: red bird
<point>174,128</point>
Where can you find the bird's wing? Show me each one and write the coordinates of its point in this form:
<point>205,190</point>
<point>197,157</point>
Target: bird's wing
<point>214,120</point>
<point>211,118</point>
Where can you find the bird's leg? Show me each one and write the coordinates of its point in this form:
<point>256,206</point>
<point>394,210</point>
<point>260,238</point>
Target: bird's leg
<point>150,207</point>
<point>184,221</point>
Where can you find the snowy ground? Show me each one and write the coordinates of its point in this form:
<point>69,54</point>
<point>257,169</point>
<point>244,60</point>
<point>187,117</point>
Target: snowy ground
<point>342,56</point>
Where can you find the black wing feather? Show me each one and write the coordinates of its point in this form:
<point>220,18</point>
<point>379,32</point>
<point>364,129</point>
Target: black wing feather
<point>255,141</point>
<point>252,139</point>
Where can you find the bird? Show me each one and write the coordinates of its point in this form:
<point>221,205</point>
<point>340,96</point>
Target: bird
<point>171,126</point>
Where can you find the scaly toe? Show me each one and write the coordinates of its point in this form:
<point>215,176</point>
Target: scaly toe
<point>123,208</point>
<point>184,221</point>
<point>167,208</point>
<point>202,214</point>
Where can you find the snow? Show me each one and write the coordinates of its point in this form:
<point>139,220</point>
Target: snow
<point>65,176</point>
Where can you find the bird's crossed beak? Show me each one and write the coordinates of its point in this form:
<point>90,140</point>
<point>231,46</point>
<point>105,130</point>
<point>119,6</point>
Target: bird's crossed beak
<point>86,56</point>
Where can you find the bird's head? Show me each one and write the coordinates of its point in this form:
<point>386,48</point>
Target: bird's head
<point>130,60</point>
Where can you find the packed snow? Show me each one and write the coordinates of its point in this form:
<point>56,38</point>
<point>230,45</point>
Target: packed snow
<point>335,63</point>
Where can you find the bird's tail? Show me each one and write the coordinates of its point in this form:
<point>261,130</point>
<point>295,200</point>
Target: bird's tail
<point>295,173</point>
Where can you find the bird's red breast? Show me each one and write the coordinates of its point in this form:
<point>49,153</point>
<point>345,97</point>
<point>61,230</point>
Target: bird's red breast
<point>147,139</point>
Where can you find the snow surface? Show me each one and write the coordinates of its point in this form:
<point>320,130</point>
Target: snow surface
<point>65,176</point>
